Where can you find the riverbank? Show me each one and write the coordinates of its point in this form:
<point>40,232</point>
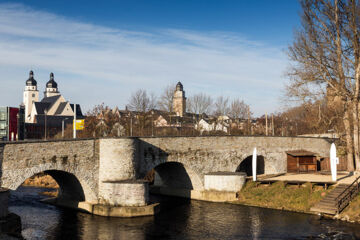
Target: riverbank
<point>281,196</point>
<point>293,198</point>
<point>352,212</point>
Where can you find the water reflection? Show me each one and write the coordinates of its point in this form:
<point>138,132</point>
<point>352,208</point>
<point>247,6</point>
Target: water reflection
<point>255,226</point>
<point>178,219</point>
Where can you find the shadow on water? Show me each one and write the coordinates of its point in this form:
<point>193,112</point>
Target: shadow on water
<point>178,219</point>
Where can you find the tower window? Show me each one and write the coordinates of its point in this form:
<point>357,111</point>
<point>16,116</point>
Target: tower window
<point>33,95</point>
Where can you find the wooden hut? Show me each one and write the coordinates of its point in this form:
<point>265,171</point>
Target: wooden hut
<point>301,161</point>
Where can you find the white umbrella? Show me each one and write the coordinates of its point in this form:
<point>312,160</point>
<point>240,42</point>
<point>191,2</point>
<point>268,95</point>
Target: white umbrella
<point>254,165</point>
<point>333,161</point>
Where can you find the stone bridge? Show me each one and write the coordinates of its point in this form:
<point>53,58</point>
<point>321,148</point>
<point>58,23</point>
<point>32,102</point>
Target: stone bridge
<point>84,168</point>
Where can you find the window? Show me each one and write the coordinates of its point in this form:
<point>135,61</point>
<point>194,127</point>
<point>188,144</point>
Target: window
<point>3,114</point>
<point>2,132</point>
<point>33,95</point>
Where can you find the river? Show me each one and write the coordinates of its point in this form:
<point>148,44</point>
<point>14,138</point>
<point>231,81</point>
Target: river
<point>178,219</point>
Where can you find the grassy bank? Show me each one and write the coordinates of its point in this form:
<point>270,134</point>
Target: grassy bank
<point>281,196</point>
<point>352,212</point>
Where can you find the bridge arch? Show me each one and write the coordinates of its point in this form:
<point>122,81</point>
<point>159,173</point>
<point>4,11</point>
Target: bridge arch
<point>177,175</point>
<point>246,165</point>
<point>71,186</point>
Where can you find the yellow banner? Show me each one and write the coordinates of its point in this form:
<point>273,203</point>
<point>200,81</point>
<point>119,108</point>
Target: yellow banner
<point>80,124</point>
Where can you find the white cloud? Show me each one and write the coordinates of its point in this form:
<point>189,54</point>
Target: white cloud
<point>94,64</point>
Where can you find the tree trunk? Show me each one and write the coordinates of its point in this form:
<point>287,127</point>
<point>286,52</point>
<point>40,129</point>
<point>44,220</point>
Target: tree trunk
<point>349,142</point>
<point>356,134</point>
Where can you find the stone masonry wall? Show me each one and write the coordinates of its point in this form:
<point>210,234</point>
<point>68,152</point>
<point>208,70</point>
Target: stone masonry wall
<point>223,153</point>
<point>23,160</point>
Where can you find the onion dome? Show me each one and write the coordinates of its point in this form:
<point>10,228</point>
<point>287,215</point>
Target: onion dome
<point>31,81</point>
<point>179,86</point>
<point>51,83</point>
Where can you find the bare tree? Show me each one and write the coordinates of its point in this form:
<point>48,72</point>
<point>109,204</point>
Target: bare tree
<point>221,106</point>
<point>326,56</point>
<point>165,102</point>
<point>140,101</point>
<point>153,101</point>
<point>199,103</point>
<point>239,109</point>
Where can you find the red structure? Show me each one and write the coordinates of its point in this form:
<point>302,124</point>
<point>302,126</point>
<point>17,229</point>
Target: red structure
<point>13,123</point>
<point>8,123</point>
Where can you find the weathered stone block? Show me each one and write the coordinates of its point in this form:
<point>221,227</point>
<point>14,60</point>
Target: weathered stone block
<point>125,193</point>
<point>225,181</point>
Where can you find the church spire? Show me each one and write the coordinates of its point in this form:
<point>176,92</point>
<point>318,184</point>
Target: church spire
<point>51,87</point>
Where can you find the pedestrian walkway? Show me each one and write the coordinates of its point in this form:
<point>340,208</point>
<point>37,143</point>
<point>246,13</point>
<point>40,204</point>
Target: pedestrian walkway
<point>342,178</point>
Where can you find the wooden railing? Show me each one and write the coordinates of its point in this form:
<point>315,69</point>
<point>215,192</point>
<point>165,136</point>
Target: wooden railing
<point>347,195</point>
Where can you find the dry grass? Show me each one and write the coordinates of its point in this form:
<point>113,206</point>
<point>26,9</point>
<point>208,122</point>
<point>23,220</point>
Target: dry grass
<point>281,196</point>
<point>41,180</point>
<point>352,212</point>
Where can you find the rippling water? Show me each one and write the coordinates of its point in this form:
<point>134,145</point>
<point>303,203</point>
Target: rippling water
<point>178,219</point>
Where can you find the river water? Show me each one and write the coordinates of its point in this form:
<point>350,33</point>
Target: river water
<point>178,219</point>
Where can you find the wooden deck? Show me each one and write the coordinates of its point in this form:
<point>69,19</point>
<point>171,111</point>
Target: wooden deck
<point>298,179</point>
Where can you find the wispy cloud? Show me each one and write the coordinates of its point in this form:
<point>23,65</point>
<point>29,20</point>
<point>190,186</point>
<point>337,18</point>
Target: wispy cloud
<point>95,64</point>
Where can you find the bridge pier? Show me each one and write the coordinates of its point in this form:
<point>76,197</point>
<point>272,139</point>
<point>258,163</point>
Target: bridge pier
<point>4,196</point>
<point>129,193</point>
<point>125,198</point>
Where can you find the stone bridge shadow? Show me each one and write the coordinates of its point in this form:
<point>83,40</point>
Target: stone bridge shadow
<point>246,165</point>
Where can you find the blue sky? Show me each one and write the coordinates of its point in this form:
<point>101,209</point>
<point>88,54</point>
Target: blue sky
<point>103,51</point>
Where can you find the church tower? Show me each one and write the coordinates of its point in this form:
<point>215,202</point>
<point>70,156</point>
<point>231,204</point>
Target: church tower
<point>179,100</point>
<point>31,94</point>
<point>51,87</point>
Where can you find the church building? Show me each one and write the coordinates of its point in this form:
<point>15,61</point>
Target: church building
<point>52,109</point>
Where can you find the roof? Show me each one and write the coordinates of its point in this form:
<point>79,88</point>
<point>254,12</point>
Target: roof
<point>31,81</point>
<point>51,100</point>
<point>41,106</point>
<point>300,153</point>
<point>61,108</point>
<point>51,83</point>
<point>78,110</point>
